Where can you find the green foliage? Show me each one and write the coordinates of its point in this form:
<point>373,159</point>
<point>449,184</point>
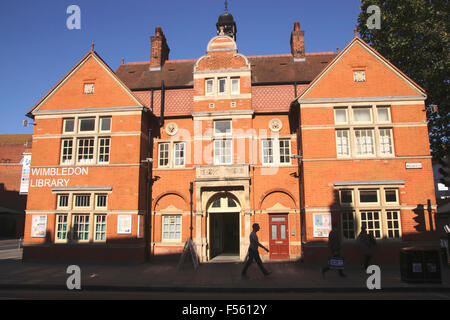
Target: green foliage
<point>414,37</point>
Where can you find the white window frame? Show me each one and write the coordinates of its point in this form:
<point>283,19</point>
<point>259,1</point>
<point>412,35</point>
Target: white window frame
<point>373,142</point>
<point>92,157</point>
<point>225,87</point>
<point>238,91</point>
<point>169,216</point>
<point>101,124</point>
<point>224,148</point>
<point>381,206</point>
<point>175,157</point>
<point>341,155</point>
<point>104,153</point>
<point>212,81</point>
<point>74,126</point>
<point>220,134</point>
<point>72,153</point>
<point>88,131</point>
<point>368,108</point>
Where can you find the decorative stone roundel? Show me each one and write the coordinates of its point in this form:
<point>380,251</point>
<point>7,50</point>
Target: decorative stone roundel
<point>171,128</point>
<point>275,125</point>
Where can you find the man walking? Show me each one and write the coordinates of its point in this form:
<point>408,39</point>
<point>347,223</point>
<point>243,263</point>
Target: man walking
<point>253,253</point>
<point>366,241</point>
<point>334,245</point>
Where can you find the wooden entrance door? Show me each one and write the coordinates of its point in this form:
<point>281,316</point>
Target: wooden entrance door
<point>279,237</point>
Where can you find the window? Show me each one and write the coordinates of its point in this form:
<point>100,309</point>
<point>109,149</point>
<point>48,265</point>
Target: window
<point>368,196</point>
<point>340,116</point>
<point>362,115</point>
<point>393,224</point>
<point>101,201</point>
<point>385,141</point>
<point>84,220</point>
<point>82,201</point>
<point>66,151</point>
<point>354,141</point>
<point>88,88</point>
<point>103,150</point>
<point>222,85</point>
<point>68,125</point>
<point>163,154</point>
<point>87,125</point>
<point>179,153</point>
<point>276,151</point>
<point>235,89</point>
<point>383,114</point>
<point>171,228</point>
<point>105,124</point>
<point>61,227</point>
<point>285,151</point>
<point>172,154</point>
<point>346,197</point>
<point>209,86</point>
<point>342,143</point>
<point>81,227</point>
<point>348,225</point>
<point>100,228</point>
<point>63,201</point>
<point>222,151</point>
<point>390,195</point>
<point>364,141</point>
<point>85,150</point>
<point>371,220</point>
<point>222,127</point>
<point>380,215</point>
<point>267,146</point>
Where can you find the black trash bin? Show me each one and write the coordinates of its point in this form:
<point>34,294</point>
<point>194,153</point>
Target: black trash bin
<point>419,264</point>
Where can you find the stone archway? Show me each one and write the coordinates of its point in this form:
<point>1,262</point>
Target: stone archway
<point>223,226</point>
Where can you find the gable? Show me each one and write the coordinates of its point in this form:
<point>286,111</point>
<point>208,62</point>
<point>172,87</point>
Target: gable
<point>109,91</point>
<point>382,79</point>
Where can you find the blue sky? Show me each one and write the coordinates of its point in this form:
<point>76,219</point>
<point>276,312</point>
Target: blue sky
<point>38,49</point>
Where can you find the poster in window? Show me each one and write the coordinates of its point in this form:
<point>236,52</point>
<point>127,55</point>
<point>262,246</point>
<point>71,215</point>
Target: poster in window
<point>322,224</point>
<point>38,226</point>
<point>124,224</point>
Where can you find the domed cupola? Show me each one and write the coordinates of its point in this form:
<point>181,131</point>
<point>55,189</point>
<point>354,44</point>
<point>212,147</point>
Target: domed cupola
<point>226,24</point>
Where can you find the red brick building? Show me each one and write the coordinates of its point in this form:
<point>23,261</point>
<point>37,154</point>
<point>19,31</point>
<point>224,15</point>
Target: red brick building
<point>230,125</point>
<point>12,201</point>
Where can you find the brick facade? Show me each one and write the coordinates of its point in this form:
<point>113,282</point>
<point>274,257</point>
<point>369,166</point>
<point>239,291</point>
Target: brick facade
<point>228,124</point>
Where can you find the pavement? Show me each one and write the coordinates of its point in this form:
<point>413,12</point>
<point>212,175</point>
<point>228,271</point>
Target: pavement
<point>160,275</point>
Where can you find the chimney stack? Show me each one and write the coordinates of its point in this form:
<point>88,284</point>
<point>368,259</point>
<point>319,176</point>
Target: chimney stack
<point>298,43</point>
<point>159,51</point>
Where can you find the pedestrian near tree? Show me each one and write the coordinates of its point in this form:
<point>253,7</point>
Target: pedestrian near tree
<point>366,242</point>
<point>334,245</point>
<point>253,253</point>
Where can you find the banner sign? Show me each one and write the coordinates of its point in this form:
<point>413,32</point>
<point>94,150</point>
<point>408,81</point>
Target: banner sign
<point>25,180</point>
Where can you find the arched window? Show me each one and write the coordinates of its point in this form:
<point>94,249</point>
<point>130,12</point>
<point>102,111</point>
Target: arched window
<point>224,203</point>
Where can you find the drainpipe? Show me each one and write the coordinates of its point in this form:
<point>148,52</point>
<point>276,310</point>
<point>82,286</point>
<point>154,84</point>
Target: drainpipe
<point>148,217</point>
<point>299,157</point>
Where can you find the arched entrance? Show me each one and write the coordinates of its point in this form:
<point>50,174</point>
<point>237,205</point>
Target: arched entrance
<point>224,225</point>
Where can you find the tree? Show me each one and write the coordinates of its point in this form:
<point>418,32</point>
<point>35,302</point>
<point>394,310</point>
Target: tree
<point>413,35</point>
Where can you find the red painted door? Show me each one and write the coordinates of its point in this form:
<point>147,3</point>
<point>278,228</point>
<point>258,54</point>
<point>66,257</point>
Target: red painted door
<point>279,237</point>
